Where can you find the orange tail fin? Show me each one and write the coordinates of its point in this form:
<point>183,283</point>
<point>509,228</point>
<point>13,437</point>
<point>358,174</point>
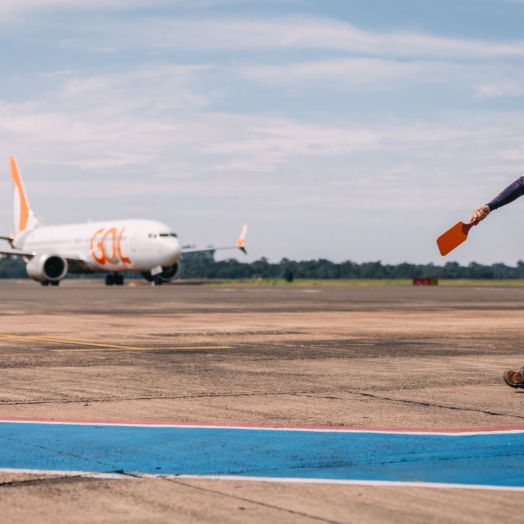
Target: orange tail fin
<point>23,216</point>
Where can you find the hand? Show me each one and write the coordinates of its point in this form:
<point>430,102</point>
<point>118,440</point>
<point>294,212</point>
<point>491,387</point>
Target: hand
<point>479,214</point>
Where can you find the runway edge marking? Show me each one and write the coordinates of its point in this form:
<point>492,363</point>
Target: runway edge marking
<point>269,427</point>
<point>65,473</point>
<point>239,478</point>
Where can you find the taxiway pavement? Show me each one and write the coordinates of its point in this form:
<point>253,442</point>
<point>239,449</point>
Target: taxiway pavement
<point>375,357</point>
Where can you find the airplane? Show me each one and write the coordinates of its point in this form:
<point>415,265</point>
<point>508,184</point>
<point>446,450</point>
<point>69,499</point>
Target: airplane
<point>112,247</point>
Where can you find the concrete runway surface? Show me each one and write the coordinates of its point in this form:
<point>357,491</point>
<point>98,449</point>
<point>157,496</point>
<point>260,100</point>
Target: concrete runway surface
<point>343,357</point>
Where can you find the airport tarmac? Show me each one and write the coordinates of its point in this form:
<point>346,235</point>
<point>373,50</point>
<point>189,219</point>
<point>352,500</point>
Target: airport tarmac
<point>338,356</point>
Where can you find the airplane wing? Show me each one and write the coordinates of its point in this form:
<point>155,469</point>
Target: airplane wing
<point>72,262</point>
<point>75,262</point>
<point>17,253</point>
<point>207,250</point>
<point>239,245</point>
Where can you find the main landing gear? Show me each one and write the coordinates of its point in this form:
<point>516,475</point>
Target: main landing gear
<point>114,279</point>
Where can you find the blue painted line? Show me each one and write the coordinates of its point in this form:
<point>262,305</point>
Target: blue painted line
<point>482,460</point>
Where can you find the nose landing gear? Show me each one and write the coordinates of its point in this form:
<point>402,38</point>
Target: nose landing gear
<point>114,279</point>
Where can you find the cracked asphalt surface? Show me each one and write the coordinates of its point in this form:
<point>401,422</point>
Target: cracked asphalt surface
<point>350,356</point>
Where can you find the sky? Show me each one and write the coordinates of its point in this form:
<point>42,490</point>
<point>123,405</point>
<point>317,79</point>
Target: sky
<point>347,130</point>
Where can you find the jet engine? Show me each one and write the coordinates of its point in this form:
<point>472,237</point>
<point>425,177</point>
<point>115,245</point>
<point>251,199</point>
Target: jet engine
<point>47,268</point>
<point>166,275</point>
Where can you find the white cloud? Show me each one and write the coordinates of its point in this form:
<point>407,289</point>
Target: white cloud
<point>221,33</point>
<point>164,87</point>
<point>501,89</point>
<point>356,73</point>
<point>487,80</point>
<point>15,7</point>
<point>106,125</point>
<point>304,33</point>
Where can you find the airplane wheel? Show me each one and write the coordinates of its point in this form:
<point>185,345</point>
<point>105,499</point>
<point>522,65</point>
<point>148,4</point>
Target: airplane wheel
<point>110,280</point>
<point>55,283</point>
<point>158,281</point>
<point>44,283</point>
<point>119,280</point>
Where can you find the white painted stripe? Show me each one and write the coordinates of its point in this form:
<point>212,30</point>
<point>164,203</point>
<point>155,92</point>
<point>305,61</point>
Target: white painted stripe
<point>378,483</point>
<point>61,473</point>
<point>264,428</point>
<point>285,480</point>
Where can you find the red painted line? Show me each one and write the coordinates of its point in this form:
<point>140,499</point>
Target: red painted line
<point>261,426</point>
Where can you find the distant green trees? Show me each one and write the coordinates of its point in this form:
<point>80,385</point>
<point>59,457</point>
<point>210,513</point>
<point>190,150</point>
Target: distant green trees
<point>12,268</point>
<point>203,265</point>
<point>207,267</point>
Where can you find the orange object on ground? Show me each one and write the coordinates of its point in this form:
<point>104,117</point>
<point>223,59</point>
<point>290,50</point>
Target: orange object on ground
<point>425,281</point>
<point>453,237</point>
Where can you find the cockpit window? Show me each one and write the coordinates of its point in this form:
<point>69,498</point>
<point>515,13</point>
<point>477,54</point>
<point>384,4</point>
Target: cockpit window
<point>168,235</point>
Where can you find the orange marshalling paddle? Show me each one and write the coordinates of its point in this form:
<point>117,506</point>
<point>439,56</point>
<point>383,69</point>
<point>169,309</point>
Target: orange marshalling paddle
<point>453,237</point>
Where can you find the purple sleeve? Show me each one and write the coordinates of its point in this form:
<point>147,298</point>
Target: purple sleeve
<point>512,192</point>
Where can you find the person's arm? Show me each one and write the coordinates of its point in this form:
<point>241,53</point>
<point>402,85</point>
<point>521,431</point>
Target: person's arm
<point>511,193</point>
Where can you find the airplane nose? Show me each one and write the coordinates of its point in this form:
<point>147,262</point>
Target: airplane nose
<point>172,250</point>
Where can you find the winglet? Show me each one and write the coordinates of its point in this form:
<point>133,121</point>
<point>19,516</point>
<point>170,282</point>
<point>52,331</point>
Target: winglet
<point>23,216</point>
<point>242,239</point>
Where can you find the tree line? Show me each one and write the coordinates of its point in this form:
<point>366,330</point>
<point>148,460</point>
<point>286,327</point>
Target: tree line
<point>203,266</point>
<point>325,269</point>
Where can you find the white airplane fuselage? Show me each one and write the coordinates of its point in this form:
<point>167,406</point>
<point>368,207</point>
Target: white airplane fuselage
<point>117,245</point>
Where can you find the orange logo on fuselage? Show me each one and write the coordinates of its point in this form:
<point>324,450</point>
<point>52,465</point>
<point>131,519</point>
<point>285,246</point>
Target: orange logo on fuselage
<point>108,241</point>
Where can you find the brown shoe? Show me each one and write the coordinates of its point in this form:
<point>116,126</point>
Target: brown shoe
<point>514,379</point>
